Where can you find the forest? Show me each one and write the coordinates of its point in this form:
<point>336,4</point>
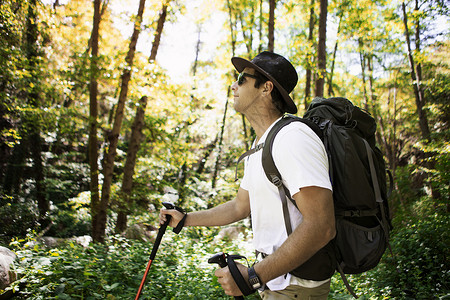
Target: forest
<point>109,108</point>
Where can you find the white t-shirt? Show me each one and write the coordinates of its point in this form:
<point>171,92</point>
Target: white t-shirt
<point>302,161</point>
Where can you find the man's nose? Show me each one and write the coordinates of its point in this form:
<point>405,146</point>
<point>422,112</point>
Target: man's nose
<point>234,86</point>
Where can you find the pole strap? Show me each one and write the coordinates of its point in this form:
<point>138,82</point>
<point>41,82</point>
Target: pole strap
<point>237,276</point>
<point>180,224</point>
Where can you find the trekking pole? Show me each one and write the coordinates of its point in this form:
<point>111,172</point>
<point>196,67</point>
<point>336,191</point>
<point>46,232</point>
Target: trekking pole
<point>161,231</point>
<point>219,258</point>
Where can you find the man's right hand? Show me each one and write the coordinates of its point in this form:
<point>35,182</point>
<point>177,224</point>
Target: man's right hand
<point>176,216</point>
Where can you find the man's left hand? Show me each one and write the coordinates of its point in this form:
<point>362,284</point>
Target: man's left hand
<point>227,282</point>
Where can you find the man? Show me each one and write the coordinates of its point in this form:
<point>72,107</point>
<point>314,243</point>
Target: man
<point>261,93</point>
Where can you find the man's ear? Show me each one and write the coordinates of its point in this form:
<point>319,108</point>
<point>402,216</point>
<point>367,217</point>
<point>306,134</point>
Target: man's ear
<point>268,87</point>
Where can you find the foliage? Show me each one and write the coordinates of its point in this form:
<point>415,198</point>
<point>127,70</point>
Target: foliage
<point>18,218</point>
<point>420,265</point>
<point>114,270</point>
<point>417,268</point>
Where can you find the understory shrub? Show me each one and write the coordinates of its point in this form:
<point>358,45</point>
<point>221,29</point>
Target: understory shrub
<point>418,268</point>
<point>17,218</point>
<point>114,270</point>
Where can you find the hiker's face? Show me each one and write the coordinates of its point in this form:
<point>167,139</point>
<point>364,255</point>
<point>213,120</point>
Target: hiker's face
<point>244,90</point>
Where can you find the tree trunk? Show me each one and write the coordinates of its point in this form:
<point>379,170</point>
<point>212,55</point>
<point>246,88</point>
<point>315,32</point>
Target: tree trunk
<point>322,51</point>
<point>248,40</point>
<point>416,75</point>
<point>309,55</point>
<point>222,130</point>
<point>159,30</point>
<point>362,58</point>
<point>34,135</point>
<point>197,50</point>
<point>389,135</point>
<point>136,136</point>
<point>333,60</point>
<point>271,45</point>
<point>416,80</point>
<point>15,168</point>
<point>373,98</point>
<point>232,28</point>
<point>108,169</point>
<point>260,26</point>
<point>207,150</point>
<point>93,115</point>
<point>374,105</point>
<point>102,10</point>
<point>128,171</point>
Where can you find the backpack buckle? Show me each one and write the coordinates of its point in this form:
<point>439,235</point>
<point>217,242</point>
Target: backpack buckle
<point>276,180</point>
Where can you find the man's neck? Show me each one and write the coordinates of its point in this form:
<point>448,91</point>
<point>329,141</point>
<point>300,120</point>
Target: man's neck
<point>261,122</point>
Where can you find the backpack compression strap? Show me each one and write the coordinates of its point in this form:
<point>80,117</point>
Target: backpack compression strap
<point>377,190</point>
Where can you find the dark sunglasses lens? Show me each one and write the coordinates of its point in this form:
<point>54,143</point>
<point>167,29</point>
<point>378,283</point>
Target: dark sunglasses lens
<point>241,78</point>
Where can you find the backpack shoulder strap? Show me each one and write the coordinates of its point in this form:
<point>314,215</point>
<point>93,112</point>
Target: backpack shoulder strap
<point>270,169</point>
<point>272,173</point>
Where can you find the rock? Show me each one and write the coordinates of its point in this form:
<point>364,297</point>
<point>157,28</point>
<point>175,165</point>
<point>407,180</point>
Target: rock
<point>230,233</point>
<point>53,242</point>
<point>140,232</point>
<point>7,258</point>
<point>50,242</point>
<point>170,195</point>
<point>83,240</point>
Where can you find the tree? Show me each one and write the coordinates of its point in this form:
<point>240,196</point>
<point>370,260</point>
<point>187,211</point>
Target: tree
<point>321,50</point>
<point>30,88</point>
<point>159,30</point>
<point>416,74</point>
<point>127,182</point>
<point>34,100</point>
<point>93,115</point>
<point>333,60</point>
<point>222,129</point>
<point>99,222</point>
<point>11,59</point>
<point>12,85</point>
<point>125,201</point>
<point>309,54</point>
<point>272,5</point>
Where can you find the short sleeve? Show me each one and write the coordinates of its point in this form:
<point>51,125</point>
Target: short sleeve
<point>300,157</point>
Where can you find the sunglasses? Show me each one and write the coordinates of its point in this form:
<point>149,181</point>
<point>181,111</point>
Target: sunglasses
<point>241,77</point>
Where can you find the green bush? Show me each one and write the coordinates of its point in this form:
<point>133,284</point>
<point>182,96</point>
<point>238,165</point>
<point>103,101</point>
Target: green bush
<point>73,219</point>
<point>114,270</point>
<point>17,218</point>
<point>418,268</point>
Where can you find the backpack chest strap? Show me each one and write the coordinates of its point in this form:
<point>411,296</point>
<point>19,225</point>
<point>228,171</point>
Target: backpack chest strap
<point>244,155</point>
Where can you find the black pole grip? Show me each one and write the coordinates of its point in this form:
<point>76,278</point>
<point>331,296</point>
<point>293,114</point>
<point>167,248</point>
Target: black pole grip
<point>168,205</point>
<point>161,231</point>
<point>221,259</point>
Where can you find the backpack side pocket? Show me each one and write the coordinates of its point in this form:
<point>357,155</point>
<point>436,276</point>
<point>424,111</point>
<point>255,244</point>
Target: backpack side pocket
<point>360,248</point>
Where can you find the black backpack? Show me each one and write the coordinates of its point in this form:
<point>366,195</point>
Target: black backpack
<point>360,194</point>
